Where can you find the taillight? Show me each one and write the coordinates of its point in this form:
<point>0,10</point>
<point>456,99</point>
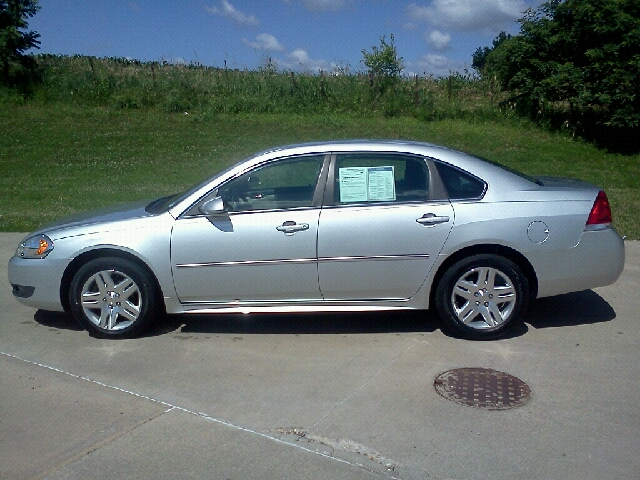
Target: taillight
<point>600,216</point>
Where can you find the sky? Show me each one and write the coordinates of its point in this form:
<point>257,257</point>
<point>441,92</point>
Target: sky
<point>434,37</point>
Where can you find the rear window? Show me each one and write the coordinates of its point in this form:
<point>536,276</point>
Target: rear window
<point>460,185</point>
<point>511,170</point>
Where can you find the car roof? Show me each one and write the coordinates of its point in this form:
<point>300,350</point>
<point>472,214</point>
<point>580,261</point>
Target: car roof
<point>490,172</point>
<point>437,152</point>
<point>353,145</point>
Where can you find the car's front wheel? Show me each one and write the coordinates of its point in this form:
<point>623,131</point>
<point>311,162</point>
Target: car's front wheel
<point>481,296</point>
<point>112,297</point>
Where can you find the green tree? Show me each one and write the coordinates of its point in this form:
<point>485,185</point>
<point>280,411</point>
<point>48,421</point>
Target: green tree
<point>16,67</point>
<point>383,64</point>
<point>576,62</point>
<point>479,57</point>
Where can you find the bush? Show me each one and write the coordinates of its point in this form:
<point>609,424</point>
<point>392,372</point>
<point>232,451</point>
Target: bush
<point>576,65</point>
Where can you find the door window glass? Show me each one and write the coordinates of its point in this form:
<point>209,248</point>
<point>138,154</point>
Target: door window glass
<point>460,185</point>
<point>364,178</point>
<point>278,185</point>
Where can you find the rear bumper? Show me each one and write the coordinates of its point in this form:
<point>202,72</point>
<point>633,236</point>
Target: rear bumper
<point>597,261</point>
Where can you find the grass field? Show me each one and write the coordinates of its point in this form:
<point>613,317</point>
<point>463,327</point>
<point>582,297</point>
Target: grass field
<point>102,131</point>
<point>57,159</point>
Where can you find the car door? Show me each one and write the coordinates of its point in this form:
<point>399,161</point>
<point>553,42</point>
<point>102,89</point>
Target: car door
<point>379,233</point>
<point>262,247</point>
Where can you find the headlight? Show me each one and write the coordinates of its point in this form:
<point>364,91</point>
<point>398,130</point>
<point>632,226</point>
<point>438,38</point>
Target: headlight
<point>37,246</point>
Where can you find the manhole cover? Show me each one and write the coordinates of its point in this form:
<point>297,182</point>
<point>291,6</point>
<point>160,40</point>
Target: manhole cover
<point>482,388</point>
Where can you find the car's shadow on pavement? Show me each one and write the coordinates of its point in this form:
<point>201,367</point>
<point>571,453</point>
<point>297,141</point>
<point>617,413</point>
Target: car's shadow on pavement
<point>60,320</point>
<point>571,309</point>
<point>300,323</point>
<point>579,308</point>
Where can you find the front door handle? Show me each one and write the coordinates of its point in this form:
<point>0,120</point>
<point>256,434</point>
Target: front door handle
<point>290,227</point>
<point>431,219</point>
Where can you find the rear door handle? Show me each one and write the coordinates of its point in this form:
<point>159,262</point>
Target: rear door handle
<point>431,219</point>
<point>289,227</point>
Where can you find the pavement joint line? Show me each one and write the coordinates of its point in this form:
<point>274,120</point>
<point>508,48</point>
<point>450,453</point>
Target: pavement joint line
<point>95,447</point>
<point>352,394</point>
<point>206,416</point>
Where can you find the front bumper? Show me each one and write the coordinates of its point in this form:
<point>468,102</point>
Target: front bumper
<point>36,282</point>
<point>22,291</point>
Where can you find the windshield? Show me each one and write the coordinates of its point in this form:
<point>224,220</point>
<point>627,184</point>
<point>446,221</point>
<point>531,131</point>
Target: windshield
<point>164,204</point>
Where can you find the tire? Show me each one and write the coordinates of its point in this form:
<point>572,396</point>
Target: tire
<point>482,296</point>
<point>113,298</point>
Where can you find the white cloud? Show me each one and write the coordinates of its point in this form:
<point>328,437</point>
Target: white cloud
<point>299,59</point>
<point>468,15</point>
<point>229,11</point>
<point>264,41</point>
<point>300,56</point>
<point>439,40</point>
<point>436,65</point>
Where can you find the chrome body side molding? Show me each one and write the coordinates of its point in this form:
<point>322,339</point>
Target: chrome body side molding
<point>303,260</point>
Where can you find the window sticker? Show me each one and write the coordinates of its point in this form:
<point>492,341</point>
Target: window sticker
<point>382,186</point>
<point>367,184</point>
<point>353,184</point>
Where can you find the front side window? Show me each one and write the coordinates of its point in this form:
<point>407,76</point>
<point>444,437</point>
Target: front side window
<point>375,177</point>
<point>281,184</point>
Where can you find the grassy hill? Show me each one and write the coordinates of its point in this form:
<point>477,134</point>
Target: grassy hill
<point>103,131</point>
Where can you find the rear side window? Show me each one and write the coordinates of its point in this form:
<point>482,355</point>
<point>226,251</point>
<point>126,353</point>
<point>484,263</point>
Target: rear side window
<point>460,185</point>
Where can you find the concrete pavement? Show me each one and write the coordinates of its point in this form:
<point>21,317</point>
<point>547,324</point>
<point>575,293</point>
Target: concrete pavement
<point>320,396</point>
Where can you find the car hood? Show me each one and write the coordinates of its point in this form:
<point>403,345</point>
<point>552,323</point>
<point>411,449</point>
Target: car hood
<point>101,219</point>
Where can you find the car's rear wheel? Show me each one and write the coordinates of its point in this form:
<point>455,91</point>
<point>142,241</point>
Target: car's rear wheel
<point>481,296</point>
<point>112,297</point>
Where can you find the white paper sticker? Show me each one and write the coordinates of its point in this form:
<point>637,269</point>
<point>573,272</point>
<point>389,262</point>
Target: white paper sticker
<point>353,184</point>
<point>382,186</point>
<point>367,184</point>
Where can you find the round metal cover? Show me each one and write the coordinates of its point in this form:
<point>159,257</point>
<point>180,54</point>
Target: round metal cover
<point>482,388</point>
<point>538,232</point>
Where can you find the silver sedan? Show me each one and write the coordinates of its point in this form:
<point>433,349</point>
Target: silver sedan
<point>341,226</point>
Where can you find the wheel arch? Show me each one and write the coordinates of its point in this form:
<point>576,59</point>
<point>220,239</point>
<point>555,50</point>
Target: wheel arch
<point>494,249</point>
<point>90,255</point>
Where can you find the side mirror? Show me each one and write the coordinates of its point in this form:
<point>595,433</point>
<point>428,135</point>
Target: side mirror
<point>212,207</point>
